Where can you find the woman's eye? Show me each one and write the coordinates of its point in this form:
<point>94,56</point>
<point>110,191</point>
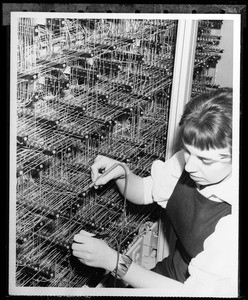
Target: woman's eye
<point>207,163</point>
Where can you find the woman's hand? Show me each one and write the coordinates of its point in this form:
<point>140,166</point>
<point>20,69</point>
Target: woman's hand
<point>94,252</point>
<point>104,163</point>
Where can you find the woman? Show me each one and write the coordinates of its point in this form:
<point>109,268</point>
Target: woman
<point>195,187</point>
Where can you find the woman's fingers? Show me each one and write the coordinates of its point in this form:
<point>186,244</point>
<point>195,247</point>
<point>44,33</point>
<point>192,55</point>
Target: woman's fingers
<point>93,252</point>
<point>111,167</point>
<point>80,255</point>
<point>77,253</point>
<point>82,238</point>
<point>86,249</point>
<point>100,163</point>
<point>79,247</point>
<point>86,233</point>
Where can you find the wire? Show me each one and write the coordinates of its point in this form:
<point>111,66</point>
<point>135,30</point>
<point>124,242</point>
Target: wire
<point>123,216</point>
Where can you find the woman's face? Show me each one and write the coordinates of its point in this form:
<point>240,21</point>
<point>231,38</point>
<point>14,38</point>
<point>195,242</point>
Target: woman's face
<point>207,167</point>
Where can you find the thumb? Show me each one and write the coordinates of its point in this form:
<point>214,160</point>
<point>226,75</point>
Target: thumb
<point>113,172</point>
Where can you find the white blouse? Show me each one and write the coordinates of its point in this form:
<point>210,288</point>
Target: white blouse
<point>212,271</point>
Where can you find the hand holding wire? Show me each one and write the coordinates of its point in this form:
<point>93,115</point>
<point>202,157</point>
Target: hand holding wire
<point>113,170</point>
<point>103,175</point>
<point>94,251</point>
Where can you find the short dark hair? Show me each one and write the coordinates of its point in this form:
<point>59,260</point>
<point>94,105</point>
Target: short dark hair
<point>207,120</point>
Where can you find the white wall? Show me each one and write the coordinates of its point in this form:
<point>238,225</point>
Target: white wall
<point>224,75</point>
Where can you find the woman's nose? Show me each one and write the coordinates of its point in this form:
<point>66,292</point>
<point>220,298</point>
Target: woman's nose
<point>191,164</point>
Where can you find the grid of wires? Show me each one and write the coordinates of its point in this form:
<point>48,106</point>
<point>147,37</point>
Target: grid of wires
<point>207,55</point>
<point>85,87</point>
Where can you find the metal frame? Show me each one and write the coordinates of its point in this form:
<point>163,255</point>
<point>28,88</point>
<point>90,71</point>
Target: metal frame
<point>180,95</point>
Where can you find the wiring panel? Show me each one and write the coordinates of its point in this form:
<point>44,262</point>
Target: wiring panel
<point>85,87</point>
<point>207,55</point>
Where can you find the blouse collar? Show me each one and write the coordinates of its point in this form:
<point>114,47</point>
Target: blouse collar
<point>223,191</point>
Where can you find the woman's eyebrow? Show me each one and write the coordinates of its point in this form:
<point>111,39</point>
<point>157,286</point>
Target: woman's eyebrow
<point>213,160</point>
<point>200,157</point>
<point>222,155</point>
<point>206,158</point>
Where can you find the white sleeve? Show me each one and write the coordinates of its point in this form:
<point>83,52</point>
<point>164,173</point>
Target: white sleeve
<point>212,272</point>
<point>164,175</point>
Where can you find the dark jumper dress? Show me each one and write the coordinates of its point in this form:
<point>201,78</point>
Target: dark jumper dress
<point>193,218</point>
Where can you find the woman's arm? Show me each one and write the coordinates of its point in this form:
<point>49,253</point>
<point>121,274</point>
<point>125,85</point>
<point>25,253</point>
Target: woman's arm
<point>134,184</point>
<point>135,188</point>
<point>96,253</point>
<point>139,277</point>
<point>164,177</point>
<point>211,272</point>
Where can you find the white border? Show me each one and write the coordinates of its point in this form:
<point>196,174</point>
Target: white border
<point>236,139</point>
<point>52,291</point>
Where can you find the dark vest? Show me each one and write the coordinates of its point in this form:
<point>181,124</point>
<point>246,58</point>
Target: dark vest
<point>193,218</point>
